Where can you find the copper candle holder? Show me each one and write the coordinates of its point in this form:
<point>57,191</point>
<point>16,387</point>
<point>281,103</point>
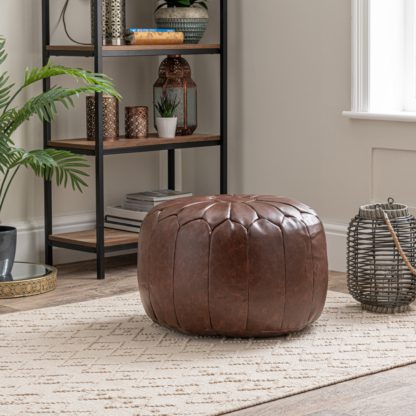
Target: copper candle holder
<point>137,122</point>
<point>110,118</point>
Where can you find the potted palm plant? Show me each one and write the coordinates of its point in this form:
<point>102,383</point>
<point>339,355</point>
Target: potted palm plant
<point>187,16</point>
<point>167,122</point>
<point>62,166</point>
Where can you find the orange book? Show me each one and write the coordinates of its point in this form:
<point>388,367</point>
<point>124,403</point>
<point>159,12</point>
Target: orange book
<point>155,38</point>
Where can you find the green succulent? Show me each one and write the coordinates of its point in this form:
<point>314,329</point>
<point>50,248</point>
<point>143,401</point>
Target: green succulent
<point>167,106</point>
<point>182,3</point>
<point>65,167</point>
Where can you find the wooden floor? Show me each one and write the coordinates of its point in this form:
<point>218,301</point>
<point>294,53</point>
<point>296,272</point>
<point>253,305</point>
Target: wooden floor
<point>389,393</point>
<point>77,283</point>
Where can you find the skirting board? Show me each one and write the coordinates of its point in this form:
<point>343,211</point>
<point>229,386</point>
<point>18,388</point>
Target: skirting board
<point>30,246</point>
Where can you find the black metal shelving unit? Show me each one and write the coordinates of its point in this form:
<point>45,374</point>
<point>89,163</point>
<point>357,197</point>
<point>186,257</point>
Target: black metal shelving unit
<point>99,241</point>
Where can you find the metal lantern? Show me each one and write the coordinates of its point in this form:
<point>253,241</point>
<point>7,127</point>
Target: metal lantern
<point>380,252</point>
<point>113,21</point>
<point>175,81</point>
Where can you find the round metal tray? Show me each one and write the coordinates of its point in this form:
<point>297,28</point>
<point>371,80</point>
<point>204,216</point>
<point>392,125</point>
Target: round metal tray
<point>28,279</point>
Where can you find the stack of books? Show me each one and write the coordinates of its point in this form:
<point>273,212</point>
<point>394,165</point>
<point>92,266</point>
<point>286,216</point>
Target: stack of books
<point>130,216</point>
<point>122,219</point>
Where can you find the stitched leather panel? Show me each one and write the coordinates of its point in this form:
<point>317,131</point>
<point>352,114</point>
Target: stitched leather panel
<point>194,212</point>
<point>191,294</point>
<point>320,264</point>
<point>243,214</point>
<point>144,272</point>
<point>266,256</point>
<point>218,213</point>
<point>299,279</point>
<point>161,269</point>
<point>228,278</point>
<point>268,212</point>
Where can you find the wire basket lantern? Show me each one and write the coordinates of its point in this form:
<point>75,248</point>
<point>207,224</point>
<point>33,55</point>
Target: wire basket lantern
<point>380,256</point>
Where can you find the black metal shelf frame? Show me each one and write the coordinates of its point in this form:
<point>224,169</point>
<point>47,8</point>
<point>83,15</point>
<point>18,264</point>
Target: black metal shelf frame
<point>99,152</point>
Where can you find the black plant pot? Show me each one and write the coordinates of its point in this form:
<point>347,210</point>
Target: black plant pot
<point>7,250</point>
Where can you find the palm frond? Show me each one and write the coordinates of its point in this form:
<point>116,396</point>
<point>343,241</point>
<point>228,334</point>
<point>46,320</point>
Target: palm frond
<point>5,88</point>
<point>3,54</point>
<point>65,167</point>
<point>6,143</point>
<point>5,155</point>
<point>6,120</point>
<point>44,105</point>
<point>101,81</point>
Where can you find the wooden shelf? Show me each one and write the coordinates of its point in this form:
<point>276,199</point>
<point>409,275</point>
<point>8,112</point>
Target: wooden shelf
<point>123,145</point>
<point>135,50</point>
<point>87,239</point>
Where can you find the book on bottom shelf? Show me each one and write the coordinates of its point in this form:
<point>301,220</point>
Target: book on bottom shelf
<point>125,214</point>
<point>123,221</point>
<point>120,219</point>
<point>157,196</point>
<point>145,201</point>
<point>115,226</point>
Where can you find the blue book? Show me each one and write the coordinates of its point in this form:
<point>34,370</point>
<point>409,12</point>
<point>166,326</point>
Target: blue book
<point>133,30</point>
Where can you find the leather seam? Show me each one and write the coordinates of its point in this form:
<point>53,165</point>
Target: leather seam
<point>149,286</point>
<point>311,212</point>
<point>284,296</point>
<point>180,210</point>
<point>202,217</point>
<point>313,268</point>
<point>248,276</point>
<point>173,274</point>
<point>209,276</point>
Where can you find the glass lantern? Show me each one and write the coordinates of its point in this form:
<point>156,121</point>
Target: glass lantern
<point>175,81</point>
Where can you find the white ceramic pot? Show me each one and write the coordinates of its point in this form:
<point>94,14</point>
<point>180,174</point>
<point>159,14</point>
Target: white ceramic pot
<point>166,127</point>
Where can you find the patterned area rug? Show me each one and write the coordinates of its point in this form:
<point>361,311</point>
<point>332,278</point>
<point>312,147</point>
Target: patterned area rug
<point>106,357</point>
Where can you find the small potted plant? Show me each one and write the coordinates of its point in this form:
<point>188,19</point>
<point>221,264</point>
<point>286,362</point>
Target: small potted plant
<point>167,122</point>
<point>187,16</point>
<point>63,166</point>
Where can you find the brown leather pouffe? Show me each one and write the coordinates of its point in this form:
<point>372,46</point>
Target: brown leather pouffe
<point>244,266</point>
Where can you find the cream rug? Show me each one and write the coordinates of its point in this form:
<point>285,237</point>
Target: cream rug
<point>106,357</point>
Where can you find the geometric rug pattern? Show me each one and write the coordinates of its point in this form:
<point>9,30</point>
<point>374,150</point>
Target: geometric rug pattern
<point>105,357</point>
